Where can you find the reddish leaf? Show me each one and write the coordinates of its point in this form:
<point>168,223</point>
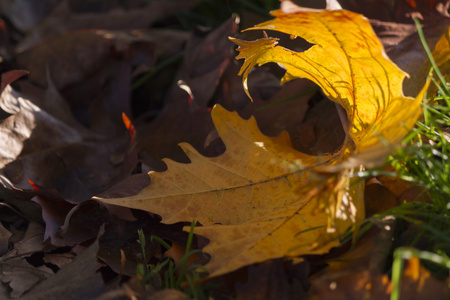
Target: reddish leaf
<point>412,3</point>
<point>10,77</point>
<point>129,126</point>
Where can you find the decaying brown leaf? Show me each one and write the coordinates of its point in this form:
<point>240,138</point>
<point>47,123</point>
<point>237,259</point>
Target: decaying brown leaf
<point>68,284</point>
<point>64,19</point>
<point>4,240</point>
<point>416,283</point>
<point>273,280</point>
<point>11,76</point>
<point>38,137</point>
<point>183,119</point>
<point>16,271</point>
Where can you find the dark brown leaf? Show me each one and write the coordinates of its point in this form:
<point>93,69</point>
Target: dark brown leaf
<point>25,15</point>
<point>4,240</point>
<point>272,280</point>
<point>183,119</point>
<point>54,211</point>
<point>63,19</point>
<point>56,154</point>
<point>68,283</point>
<point>10,77</point>
<point>16,271</point>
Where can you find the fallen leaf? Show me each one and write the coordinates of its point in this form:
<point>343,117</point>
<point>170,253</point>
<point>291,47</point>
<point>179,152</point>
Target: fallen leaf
<point>31,242</point>
<point>24,14</point>
<point>416,283</point>
<point>272,280</point>
<point>58,260</point>
<point>11,76</point>
<point>297,117</point>
<point>63,19</point>
<point>354,285</point>
<point>398,11</point>
<point>255,197</point>
<point>394,26</point>
<point>373,192</point>
<point>48,146</point>
<point>54,210</point>
<point>375,75</point>
<point>96,79</point>
<point>68,284</point>
<point>4,240</point>
<point>16,271</point>
<point>184,120</point>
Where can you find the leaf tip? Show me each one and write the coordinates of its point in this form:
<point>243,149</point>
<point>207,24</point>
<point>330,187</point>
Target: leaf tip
<point>35,187</point>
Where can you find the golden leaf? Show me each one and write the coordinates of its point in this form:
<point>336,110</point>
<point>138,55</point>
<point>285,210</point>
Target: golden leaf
<point>347,61</point>
<point>253,188</point>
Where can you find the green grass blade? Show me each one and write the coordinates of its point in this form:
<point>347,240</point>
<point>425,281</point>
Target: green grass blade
<point>430,56</point>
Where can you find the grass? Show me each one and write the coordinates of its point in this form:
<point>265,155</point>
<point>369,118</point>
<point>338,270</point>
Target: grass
<point>173,275</point>
<point>424,163</point>
<point>423,225</point>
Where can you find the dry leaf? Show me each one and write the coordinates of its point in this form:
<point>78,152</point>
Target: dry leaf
<point>16,271</point>
<point>11,76</point>
<point>63,19</point>
<point>47,145</point>
<point>68,283</point>
<point>4,239</point>
<point>273,280</point>
<point>416,283</point>
<point>392,21</point>
<point>370,85</point>
<point>300,117</point>
<point>183,119</point>
<point>257,199</point>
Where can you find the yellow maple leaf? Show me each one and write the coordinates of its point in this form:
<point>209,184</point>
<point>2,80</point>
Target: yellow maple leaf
<point>251,191</point>
<point>259,199</point>
<point>346,60</point>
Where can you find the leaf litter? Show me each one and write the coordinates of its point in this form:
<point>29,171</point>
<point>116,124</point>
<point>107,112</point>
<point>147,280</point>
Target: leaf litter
<point>68,143</point>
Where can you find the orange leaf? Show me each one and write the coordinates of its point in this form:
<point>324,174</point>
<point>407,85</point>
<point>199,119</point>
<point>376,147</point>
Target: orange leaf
<point>413,3</point>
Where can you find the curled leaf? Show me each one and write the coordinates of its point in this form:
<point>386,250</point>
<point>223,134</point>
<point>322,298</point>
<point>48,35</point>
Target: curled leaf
<point>347,61</point>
